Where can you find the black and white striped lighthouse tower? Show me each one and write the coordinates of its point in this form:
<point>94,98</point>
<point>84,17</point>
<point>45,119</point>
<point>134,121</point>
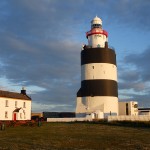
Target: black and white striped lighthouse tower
<point>99,89</point>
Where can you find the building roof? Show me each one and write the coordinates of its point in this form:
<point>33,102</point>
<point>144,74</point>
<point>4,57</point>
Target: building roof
<point>15,95</point>
<point>97,18</point>
<point>17,110</point>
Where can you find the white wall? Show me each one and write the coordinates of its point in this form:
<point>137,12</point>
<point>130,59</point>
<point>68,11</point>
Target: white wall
<point>68,119</point>
<point>104,104</point>
<point>23,114</point>
<point>97,39</point>
<point>81,105</point>
<point>122,108</point>
<point>129,118</point>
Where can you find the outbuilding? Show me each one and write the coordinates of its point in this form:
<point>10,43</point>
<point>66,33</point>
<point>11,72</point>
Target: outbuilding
<point>128,108</point>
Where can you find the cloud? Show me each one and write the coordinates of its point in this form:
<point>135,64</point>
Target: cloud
<point>41,42</point>
<point>141,61</point>
<point>133,13</point>
<point>134,80</point>
<point>53,68</point>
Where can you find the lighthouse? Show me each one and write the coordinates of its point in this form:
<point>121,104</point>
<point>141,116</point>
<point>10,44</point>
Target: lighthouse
<point>99,88</point>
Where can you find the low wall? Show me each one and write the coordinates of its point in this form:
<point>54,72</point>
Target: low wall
<point>68,119</point>
<point>129,118</point>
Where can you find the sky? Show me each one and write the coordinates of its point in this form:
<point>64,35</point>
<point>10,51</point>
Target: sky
<point>41,40</point>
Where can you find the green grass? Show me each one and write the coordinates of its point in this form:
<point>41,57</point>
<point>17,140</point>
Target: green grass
<point>85,136</point>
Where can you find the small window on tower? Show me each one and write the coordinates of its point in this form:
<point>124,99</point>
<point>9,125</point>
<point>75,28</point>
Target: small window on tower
<point>93,67</point>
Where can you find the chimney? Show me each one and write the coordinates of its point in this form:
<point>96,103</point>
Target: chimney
<point>23,91</point>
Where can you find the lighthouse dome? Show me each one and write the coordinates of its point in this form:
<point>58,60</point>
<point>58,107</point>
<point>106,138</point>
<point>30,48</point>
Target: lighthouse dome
<point>96,23</point>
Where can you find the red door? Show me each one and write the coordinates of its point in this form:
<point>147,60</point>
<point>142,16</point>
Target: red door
<point>14,116</point>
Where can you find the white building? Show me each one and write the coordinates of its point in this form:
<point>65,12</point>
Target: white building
<point>128,108</point>
<point>15,106</point>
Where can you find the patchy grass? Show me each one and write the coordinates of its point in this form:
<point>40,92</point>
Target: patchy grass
<point>75,136</point>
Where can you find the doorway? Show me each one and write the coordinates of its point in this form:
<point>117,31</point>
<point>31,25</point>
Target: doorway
<point>14,116</point>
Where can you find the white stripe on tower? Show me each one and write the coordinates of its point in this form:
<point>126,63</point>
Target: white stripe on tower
<point>98,71</point>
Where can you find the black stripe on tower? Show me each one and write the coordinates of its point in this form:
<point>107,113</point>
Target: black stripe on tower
<point>98,87</point>
<point>98,55</point>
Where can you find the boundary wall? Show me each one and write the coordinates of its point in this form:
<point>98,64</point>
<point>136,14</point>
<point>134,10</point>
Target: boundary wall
<point>129,118</point>
<point>68,119</point>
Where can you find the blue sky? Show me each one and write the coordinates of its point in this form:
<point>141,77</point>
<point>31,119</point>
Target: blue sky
<point>40,45</point>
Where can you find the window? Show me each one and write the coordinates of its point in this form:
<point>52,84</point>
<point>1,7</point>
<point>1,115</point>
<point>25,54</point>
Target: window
<point>24,104</point>
<point>20,115</point>
<point>93,67</point>
<point>24,115</point>
<point>6,114</point>
<point>15,103</point>
<point>96,26</point>
<point>98,45</point>
<point>6,103</point>
<point>136,106</point>
<point>127,109</point>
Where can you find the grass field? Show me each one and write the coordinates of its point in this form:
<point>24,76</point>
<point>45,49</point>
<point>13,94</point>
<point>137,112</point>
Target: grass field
<point>75,136</point>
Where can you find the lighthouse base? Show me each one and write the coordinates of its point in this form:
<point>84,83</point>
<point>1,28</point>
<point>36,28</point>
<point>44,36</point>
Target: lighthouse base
<point>96,105</point>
